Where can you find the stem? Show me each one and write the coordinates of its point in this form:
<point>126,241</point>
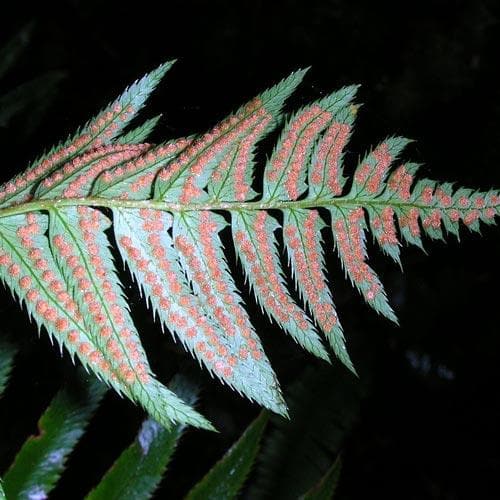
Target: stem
<point>38,205</point>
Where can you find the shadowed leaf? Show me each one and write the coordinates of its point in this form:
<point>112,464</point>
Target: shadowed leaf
<point>7,353</point>
<point>227,477</point>
<point>12,50</point>
<point>326,487</point>
<point>138,470</point>
<point>41,460</point>
<point>296,453</point>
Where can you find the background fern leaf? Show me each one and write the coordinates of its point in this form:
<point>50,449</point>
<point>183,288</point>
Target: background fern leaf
<point>139,469</point>
<point>255,242</point>
<point>296,453</point>
<point>7,354</point>
<point>326,487</point>
<point>227,477</point>
<point>100,130</point>
<point>42,458</point>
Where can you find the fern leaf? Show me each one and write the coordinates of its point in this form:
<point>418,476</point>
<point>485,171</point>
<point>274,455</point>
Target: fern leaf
<point>83,257</point>
<point>166,201</point>
<point>302,238</point>
<point>232,178</point>
<point>98,131</point>
<point>371,173</point>
<point>141,133</point>
<point>7,354</point>
<point>325,179</point>
<point>284,176</point>
<point>398,189</point>
<point>133,180</point>
<point>326,487</point>
<point>184,179</point>
<point>232,353</point>
<point>228,476</point>
<point>138,470</point>
<point>42,458</point>
<point>27,268</point>
<point>76,177</point>
<point>14,47</point>
<point>348,226</point>
<point>243,363</point>
<point>315,432</point>
<point>255,243</point>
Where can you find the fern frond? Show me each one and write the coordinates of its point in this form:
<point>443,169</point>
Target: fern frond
<point>98,131</point>
<point>140,133</point>
<point>170,205</point>
<point>82,254</point>
<point>256,246</point>
<point>76,177</point>
<point>42,458</point>
<point>284,176</point>
<point>139,469</point>
<point>226,478</point>
<point>325,488</point>
<point>185,179</point>
<point>302,239</point>
<point>7,354</point>
<point>134,179</point>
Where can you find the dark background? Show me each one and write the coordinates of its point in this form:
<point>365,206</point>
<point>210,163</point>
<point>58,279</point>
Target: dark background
<point>427,423</point>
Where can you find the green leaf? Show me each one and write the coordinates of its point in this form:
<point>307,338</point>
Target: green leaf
<point>256,247</point>
<point>100,130</point>
<point>81,250</point>
<point>13,49</point>
<point>138,471</point>
<point>33,97</point>
<point>324,405</point>
<point>302,239</point>
<point>185,179</point>
<point>2,493</point>
<point>325,488</point>
<point>286,170</point>
<point>7,353</point>
<point>140,133</point>
<point>42,458</point>
<point>227,477</point>
<point>241,361</point>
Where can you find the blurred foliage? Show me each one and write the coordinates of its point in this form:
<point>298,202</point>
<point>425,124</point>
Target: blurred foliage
<point>137,472</point>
